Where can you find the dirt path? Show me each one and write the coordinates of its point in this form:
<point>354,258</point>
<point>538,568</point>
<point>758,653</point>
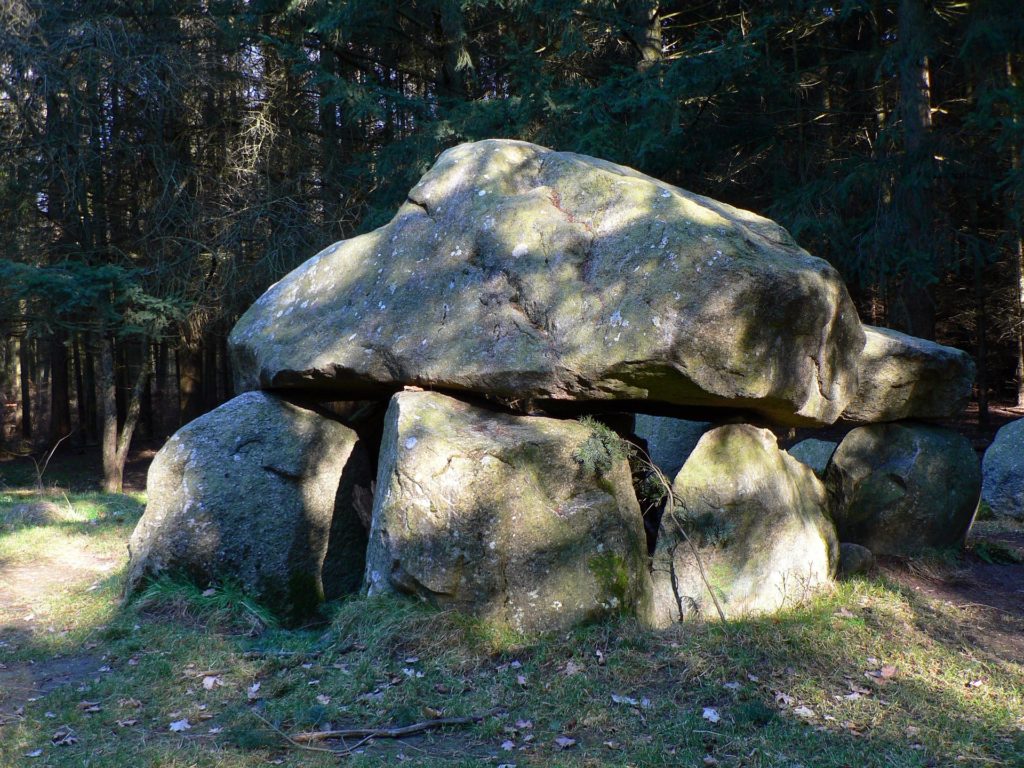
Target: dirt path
<point>25,590</point>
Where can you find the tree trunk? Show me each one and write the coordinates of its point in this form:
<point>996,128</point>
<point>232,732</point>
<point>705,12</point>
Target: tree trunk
<point>917,305</point>
<point>1016,215</point>
<point>60,401</point>
<point>117,442</point>
<point>190,382</point>
<point>160,391</point>
<point>24,364</point>
<point>80,399</point>
<point>646,33</point>
<point>106,385</point>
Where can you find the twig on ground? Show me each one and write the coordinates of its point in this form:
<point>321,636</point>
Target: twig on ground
<point>387,733</point>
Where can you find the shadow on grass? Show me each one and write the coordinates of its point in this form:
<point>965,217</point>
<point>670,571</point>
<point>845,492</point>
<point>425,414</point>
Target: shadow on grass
<point>393,661</point>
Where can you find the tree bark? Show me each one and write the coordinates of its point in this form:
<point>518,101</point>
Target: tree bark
<point>1016,216</point>
<point>190,382</point>
<point>117,442</point>
<point>60,401</point>
<point>917,305</point>
<point>24,363</point>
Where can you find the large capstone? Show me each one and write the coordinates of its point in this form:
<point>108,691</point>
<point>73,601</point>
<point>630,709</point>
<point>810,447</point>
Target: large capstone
<point>1003,472</point>
<point>750,526</point>
<point>901,488</point>
<point>531,275</point>
<point>904,377</point>
<point>258,492</point>
<point>530,523</point>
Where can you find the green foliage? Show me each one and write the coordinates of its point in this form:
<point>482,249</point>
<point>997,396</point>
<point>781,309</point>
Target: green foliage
<point>997,553</point>
<point>601,450</point>
<point>226,604</point>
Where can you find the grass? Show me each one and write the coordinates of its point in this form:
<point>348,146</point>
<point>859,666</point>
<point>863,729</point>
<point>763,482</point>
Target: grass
<point>868,675</point>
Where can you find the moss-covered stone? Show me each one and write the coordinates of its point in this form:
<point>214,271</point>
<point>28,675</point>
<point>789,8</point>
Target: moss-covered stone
<point>903,487</point>
<point>496,515</point>
<point>532,275</point>
<point>257,492</point>
<point>750,526</point>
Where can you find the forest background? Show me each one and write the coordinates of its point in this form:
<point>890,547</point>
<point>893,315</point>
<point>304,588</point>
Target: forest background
<point>163,161</point>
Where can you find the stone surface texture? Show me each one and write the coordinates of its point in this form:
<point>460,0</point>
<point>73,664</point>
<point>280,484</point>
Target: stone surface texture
<point>669,441</point>
<point>903,487</point>
<point>905,377</point>
<point>259,492</point>
<point>533,275</point>
<point>494,514</point>
<point>854,559</point>
<point>758,521</point>
<point>1003,472</point>
<point>813,453</point>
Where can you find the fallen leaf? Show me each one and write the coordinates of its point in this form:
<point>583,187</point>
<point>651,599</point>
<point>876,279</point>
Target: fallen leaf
<point>34,753</point>
<point>521,679</point>
<point>215,729</point>
<point>612,744</point>
<point>323,698</point>
<point>711,715</point>
<point>129,703</point>
<point>732,686</point>
<point>524,725</point>
<point>628,700</point>
<point>254,691</point>
<point>564,742</point>
<point>784,698</point>
<point>572,668</point>
<point>805,712</point>
<point>64,737</point>
<point>177,726</point>
<point>126,723</point>
<point>89,706</point>
<point>211,681</point>
<point>601,658</point>
<point>508,745</point>
<point>209,592</point>
<point>887,671</point>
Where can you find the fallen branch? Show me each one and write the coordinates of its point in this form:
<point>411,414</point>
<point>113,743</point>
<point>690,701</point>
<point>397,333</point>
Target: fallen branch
<point>386,733</point>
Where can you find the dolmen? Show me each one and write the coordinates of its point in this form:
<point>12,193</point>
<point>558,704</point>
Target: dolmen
<point>542,394</point>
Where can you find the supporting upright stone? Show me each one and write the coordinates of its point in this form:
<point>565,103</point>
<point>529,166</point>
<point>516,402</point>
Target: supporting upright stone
<point>903,487</point>
<point>530,523</point>
<point>1003,472</point>
<point>258,492</point>
<point>750,531</point>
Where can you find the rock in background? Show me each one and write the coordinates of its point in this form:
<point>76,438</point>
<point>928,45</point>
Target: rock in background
<point>813,453</point>
<point>258,491</point>
<point>1003,472</point>
<point>528,522</point>
<point>901,488</point>
<point>759,522</point>
<point>669,441</point>
<point>532,275</point>
<point>904,377</point>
